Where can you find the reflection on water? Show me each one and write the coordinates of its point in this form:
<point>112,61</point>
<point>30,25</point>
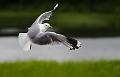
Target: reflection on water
<point>92,48</point>
<point>11,31</point>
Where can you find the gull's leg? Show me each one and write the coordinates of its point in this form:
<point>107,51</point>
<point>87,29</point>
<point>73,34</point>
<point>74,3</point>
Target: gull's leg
<point>30,46</point>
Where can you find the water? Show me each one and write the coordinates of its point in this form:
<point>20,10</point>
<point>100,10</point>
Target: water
<point>92,49</point>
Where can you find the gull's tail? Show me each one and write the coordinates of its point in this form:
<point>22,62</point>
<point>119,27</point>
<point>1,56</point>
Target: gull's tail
<point>74,43</point>
<point>24,41</point>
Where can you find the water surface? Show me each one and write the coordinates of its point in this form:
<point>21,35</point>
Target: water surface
<point>92,49</point>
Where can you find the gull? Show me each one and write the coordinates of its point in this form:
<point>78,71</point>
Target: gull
<point>38,34</point>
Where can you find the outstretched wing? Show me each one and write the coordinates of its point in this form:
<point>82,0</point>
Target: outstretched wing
<point>35,28</point>
<point>45,16</point>
<point>50,37</point>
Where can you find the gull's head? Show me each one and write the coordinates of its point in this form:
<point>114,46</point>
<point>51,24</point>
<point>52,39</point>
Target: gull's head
<point>47,25</point>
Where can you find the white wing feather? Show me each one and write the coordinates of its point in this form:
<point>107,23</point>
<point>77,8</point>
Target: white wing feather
<point>55,6</point>
<point>45,16</point>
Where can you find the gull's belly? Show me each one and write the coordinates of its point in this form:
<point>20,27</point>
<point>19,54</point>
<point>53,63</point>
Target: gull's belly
<point>42,40</point>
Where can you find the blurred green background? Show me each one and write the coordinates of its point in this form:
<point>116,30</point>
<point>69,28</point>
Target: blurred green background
<point>82,18</point>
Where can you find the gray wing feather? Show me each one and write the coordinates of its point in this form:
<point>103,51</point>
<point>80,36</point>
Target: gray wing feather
<point>59,38</point>
<point>45,16</point>
<point>51,37</point>
<point>55,37</point>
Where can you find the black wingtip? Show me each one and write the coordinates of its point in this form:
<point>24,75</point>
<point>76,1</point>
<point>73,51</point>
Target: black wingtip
<point>72,48</point>
<point>74,43</point>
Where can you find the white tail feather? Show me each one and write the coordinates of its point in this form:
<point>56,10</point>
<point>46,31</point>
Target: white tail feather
<point>24,41</point>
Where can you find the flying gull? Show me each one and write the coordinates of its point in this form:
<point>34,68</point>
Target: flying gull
<point>38,34</point>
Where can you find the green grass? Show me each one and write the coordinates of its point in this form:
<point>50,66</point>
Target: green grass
<point>64,69</point>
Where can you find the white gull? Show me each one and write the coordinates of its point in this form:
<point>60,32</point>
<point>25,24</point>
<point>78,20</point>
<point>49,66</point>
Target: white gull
<point>38,34</point>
